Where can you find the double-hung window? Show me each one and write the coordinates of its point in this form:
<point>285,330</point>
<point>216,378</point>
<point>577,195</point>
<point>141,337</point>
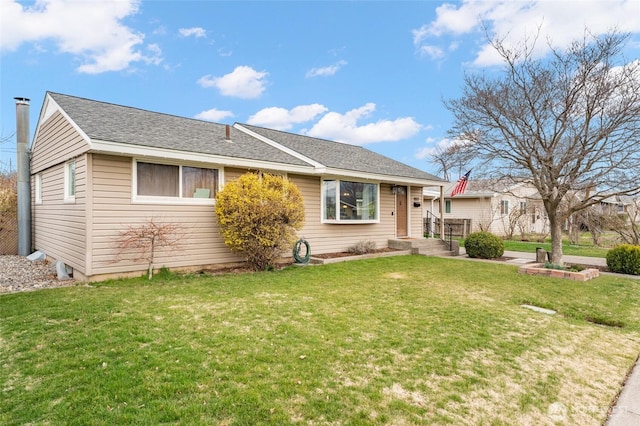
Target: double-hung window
<point>350,202</point>
<point>504,207</point>
<point>169,182</point>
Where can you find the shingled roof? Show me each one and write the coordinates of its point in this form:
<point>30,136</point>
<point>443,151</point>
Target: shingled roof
<point>106,122</point>
<point>343,156</point>
<point>116,123</point>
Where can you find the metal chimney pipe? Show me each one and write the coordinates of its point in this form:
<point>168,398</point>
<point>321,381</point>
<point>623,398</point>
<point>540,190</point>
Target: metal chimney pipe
<point>24,186</point>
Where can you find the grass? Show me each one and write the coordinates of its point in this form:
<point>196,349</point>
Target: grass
<point>588,250</point>
<point>399,340</point>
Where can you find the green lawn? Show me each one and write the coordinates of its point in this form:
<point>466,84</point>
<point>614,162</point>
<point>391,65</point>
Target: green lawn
<point>398,340</point>
<point>577,250</point>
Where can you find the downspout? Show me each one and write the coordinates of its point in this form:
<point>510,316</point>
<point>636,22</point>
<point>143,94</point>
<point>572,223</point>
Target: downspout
<point>24,178</point>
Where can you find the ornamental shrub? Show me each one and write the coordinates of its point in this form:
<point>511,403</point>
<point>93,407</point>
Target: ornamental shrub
<point>484,245</point>
<point>258,215</point>
<point>624,259</point>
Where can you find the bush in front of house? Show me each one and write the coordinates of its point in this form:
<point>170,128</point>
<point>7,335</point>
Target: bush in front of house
<point>362,247</point>
<point>258,215</point>
<point>483,245</point>
<point>624,259</point>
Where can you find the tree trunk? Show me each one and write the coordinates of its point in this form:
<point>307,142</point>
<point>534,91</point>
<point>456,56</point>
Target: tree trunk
<point>556,240</point>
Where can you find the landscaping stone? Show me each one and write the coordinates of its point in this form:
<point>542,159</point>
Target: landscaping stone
<point>539,269</point>
<point>539,309</point>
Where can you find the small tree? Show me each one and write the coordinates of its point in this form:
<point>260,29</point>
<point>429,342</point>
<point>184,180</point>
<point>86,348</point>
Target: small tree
<point>142,241</point>
<point>258,215</point>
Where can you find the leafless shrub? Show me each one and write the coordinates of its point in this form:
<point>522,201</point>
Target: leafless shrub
<point>140,242</point>
<point>362,247</point>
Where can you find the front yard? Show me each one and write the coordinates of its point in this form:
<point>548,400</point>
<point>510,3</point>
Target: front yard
<point>398,340</point>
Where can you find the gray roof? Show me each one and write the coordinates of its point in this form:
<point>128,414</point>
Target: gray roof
<point>116,123</point>
<point>108,122</point>
<point>341,155</point>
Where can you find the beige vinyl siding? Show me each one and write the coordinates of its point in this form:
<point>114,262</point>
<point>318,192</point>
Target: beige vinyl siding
<point>480,211</point>
<point>114,211</point>
<point>60,227</point>
<point>57,141</point>
<point>415,213</point>
<point>327,238</point>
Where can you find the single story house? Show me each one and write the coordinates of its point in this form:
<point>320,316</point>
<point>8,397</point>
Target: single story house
<point>509,210</point>
<point>99,168</point>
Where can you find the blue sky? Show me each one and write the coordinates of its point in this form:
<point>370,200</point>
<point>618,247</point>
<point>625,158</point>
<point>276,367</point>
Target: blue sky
<point>370,73</point>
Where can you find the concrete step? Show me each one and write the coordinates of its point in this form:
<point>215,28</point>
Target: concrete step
<point>411,243</point>
<point>434,252</point>
<point>423,246</point>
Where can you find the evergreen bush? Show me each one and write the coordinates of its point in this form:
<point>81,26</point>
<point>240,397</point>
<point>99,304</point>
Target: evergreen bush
<point>484,245</point>
<point>624,259</point>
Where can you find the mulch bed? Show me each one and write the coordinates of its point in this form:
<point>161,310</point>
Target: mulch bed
<point>347,254</point>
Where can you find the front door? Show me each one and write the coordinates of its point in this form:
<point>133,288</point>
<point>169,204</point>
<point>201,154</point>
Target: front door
<point>401,211</point>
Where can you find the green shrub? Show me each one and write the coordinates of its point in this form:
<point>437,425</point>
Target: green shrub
<point>484,245</point>
<point>624,259</point>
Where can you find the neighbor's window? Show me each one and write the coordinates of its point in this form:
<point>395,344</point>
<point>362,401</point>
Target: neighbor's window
<point>523,207</point>
<point>171,181</point>
<point>70,181</point>
<point>346,201</point>
<point>447,206</point>
<point>504,207</point>
<point>38,188</point>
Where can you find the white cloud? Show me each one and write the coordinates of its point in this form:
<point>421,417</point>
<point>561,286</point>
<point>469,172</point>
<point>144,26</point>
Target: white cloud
<point>434,146</point>
<point>560,22</point>
<point>197,32</point>
<point>243,82</point>
<point>326,71</point>
<point>214,115</point>
<point>345,128</point>
<point>283,119</point>
<point>92,31</point>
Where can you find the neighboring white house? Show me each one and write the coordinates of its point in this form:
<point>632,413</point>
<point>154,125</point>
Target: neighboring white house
<point>508,211</point>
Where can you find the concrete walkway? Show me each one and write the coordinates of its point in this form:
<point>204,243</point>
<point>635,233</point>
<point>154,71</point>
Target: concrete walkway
<point>626,411</point>
<point>583,260</point>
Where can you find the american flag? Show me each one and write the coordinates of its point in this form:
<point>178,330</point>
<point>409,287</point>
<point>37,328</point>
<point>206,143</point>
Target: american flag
<point>461,185</point>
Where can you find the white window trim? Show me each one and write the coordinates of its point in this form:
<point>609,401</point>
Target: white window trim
<point>337,220</point>
<point>38,188</point>
<point>70,198</point>
<point>151,199</point>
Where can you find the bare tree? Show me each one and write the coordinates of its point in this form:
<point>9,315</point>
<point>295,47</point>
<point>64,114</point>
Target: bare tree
<point>627,224</point>
<point>452,160</point>
<point>568,123</point>
<point>140,242</point>
<point>6,167</point>
<point>488,215</point>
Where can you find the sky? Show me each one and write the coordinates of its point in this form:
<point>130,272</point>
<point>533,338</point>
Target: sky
<point>369,73</point>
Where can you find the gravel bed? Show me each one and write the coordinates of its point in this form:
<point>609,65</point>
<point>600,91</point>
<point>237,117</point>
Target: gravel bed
<point>19,274</point>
